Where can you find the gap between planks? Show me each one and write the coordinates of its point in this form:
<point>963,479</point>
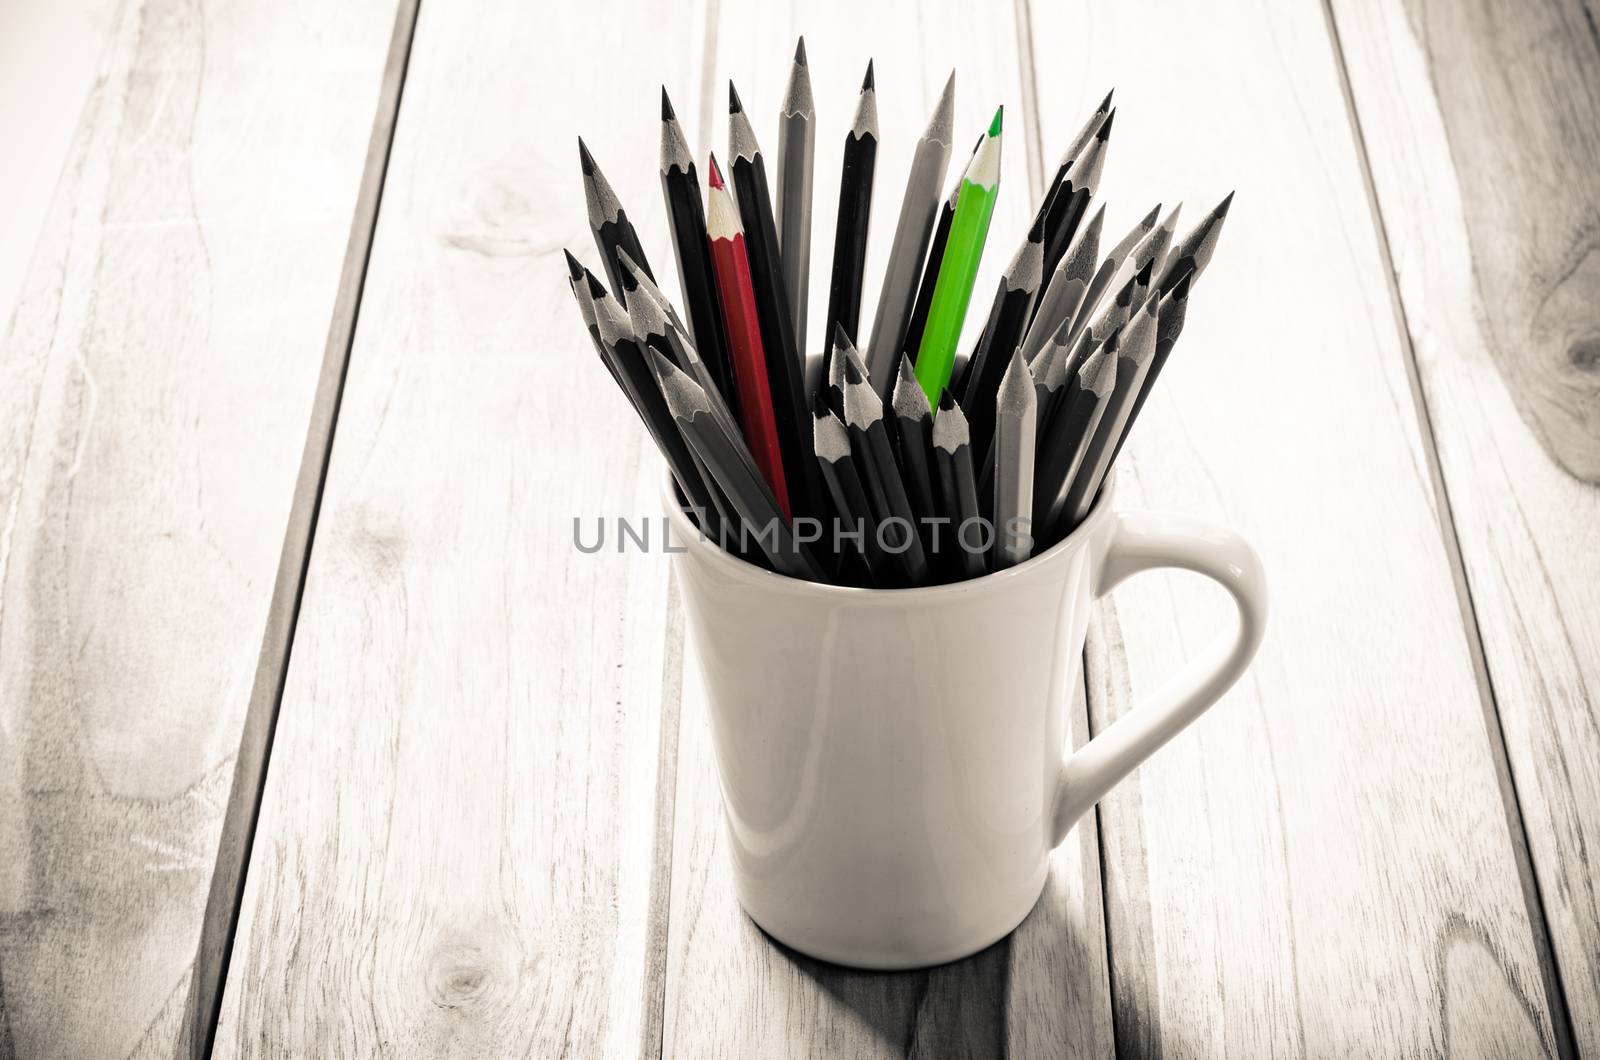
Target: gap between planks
<point>266,693</point>
<point>1511,801</point>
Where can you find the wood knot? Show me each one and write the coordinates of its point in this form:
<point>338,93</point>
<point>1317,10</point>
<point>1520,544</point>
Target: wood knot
<point>460,974</point>
<point>1584,353</point>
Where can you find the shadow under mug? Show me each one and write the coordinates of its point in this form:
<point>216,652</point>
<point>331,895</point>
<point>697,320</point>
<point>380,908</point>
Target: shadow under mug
<point>892,759</point>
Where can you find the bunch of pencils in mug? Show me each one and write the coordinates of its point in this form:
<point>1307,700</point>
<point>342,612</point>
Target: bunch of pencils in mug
<point>897,463</point>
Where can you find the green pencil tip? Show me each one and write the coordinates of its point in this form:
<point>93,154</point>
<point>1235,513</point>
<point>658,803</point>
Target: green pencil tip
<point>994,126</point>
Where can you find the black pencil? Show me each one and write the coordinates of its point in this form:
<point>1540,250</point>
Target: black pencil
<point>1067,439</point>
<point>743,485</point>
<point>958,490</point>
<point>1193,252</point>
<point>785,367</point>
<point>579,285</point>
<point>913,428</point>
<point>1016,410</point>
<point>855,215</point>
<point>1134,353</point>
<point>1008,316</point>
<point>622,354</point>
<point>886,492</point>
<point>1169,325</point>
<point>1070,200</point>
<point>858,541</point>
<point>680,188</point>
<point>608,221</point>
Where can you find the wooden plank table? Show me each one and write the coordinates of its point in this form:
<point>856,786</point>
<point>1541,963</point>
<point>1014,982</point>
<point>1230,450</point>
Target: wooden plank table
<point>318,736</point>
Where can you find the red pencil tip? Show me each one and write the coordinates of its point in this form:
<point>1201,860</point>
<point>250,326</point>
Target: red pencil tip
<point>715,178</point>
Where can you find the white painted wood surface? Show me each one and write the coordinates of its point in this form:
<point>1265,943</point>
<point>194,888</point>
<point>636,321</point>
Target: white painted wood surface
<point>1527,528</point>
<point>154,393</point>
<point>1322,865</point>
<point>458,835</point>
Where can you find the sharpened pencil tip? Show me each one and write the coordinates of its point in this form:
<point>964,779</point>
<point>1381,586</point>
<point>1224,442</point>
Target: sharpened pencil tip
<point>574,266</point>
<point>1105,104</point>
<point>715,179</point>
<point>597,290</point>
<point>1104,132</point>
<point>667,113</point>
<point>1148,221</point>
<point>1222,207</point>
<point>999,114</point>
<point>947,400</point>
<point>734,105</point>
<point>585,159</point>
<point>800,51</point>
<point>868,82</point>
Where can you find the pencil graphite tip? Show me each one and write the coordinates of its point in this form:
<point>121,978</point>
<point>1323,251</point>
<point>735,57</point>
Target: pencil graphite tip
<point>1148,221</point>
<point>714,177</point>
<point>1016,394</point>
<point>1221,210</point>
<point>868,83</point>
<point>797,101</point>
<point>599,199</point>
<point>862,406</point>
<point>942,124</point>
<point>734,104</point>
<point>999,115</point>
<point>1171,221</point>
<point>950,431</point>
<point>574,266</point>
<point>596,288</point>
<point>667,113</point>
<point>1099,372</point>
<point>866,118</point>
<point>1105,104</point>
<point>1104,132</point>
<point>910,401</point>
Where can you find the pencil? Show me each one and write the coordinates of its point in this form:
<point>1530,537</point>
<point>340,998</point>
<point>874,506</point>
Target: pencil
<point>959,269</point>
<point>580,291</point>
<point>1169,325</point>
<point>1079,141</point>
<point>912,232</point>
<point>680,188</point>
<point>1067,438</point>
<point>784,364</point>
<point>622,354</point>
<point>832,441</point>
<point>796,159</point>
<point>913,428</point>
<point>1147,254</point>
<point>745,490</point>
<point>608,221</point>
<point>1193,252</point>
<point>1081,179</point>
<point>952,455</point>
<point>738,310</point>
<point>855,211</point>
<point>1014,440</point>
<point>1065,287</point>
<point>885,489</point>
<point>1101,283</point>
<point>1134,353</point>
<point>1008,316</point>
<point>918,321</point>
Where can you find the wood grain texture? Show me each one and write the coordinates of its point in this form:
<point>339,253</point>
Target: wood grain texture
<point>155,389</point>
<point>1507,93</point>
<point>1526,528</point>
<point>459,834</point>
<point>1321,866</point>
<point>730,991</point>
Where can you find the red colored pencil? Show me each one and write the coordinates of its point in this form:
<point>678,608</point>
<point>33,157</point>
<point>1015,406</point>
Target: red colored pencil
<point>737,295</point>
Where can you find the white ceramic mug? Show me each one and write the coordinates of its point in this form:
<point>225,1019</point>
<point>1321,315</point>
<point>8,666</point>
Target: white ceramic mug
<point>891,760</point>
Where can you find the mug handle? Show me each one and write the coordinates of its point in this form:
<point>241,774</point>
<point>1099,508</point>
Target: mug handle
<point>1144,541</point>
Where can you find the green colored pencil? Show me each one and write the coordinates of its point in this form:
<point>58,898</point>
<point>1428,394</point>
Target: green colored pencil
<point>952,291</point>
